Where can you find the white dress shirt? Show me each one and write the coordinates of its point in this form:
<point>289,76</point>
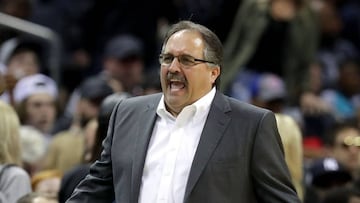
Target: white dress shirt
<point>171,151</point>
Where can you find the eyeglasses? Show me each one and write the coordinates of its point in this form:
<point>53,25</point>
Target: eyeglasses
<point>350,141</point>
<point>185,60</point>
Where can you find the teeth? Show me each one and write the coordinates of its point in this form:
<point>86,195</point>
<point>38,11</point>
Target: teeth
<point>177,85</point>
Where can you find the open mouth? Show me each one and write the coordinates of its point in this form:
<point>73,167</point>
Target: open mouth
<point>176,85</point>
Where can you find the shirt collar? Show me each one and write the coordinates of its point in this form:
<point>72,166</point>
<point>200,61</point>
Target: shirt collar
<point>200,106</point>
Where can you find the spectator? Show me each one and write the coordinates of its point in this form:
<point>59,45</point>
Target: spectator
<point>341,143</point>
<point>344,99</point>
<point>122,68</point>
<point>92,92</point>
<point>14,181</point>
<point>271,36</point>
<point>324,175</point>
<point>35,97</point>
<point>333,49</point>
<point>19,58</point>
<point>73,177</point>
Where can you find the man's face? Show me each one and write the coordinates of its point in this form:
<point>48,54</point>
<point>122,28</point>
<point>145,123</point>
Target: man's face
<point>347,154</point>
<point>183,85</point>
<point>40,112</point>
<point>127,71</point>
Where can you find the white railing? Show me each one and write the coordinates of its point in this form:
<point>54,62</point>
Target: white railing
<point>42,32</point>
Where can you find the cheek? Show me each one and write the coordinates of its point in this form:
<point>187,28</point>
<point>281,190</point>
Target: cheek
<point>51,111</point>
<point>32,111</point>
<point>198,80</point>
<point>163,73</point>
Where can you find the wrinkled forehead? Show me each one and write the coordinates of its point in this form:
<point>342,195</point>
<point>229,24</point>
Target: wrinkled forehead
<point>185,42</point>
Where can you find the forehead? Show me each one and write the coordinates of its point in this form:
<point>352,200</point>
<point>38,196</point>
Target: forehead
<point>347,132</point>
<point>185,42</point>
<point>40,97</point>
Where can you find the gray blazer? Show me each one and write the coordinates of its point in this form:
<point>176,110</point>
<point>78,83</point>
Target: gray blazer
<point>239,157</point>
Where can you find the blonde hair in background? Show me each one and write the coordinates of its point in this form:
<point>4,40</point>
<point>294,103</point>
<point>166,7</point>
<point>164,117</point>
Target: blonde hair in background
<point>10,150</point>
<point>291,138</point>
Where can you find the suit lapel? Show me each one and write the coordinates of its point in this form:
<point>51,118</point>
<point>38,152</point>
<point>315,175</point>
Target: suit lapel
<point>145,126</point>
<point>213,131</point>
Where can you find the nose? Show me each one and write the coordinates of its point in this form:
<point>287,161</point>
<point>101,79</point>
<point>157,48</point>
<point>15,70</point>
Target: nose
<point>175,65</point>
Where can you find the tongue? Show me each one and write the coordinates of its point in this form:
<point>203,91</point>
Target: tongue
<point>177,85</point>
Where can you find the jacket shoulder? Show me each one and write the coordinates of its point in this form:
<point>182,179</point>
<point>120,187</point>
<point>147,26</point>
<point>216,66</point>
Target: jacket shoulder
<point>244,107</point>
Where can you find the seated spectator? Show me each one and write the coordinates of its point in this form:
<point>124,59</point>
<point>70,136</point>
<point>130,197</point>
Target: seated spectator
<point>267,36</point>
<point>73,177</point>
<point>344,99</point>
<point>269,91</point>
<point>342,143</point>
<point>322,176</point>
<point>20,57</point>
<point>14,181</point>
<point>35,98</point>
<point>67,148</point>
<point>122,68</point>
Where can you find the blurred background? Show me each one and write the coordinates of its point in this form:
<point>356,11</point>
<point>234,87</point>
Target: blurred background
<point>64,64</point>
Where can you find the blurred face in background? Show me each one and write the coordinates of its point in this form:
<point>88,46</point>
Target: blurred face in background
<point>349,79</point>
<point>284,10</point>
<point>22,64</point>
<point>40,112</point>
<point>346,149</point>
<point>330,22</point>
<point>128,71</point>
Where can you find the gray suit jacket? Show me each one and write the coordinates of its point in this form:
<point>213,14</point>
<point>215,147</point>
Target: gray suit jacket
<point>239,157</point>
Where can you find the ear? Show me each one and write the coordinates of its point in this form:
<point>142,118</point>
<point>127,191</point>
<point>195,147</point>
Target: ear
<point>215,73</point>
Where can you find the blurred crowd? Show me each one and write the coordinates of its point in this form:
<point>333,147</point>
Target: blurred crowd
<point>298,58</point>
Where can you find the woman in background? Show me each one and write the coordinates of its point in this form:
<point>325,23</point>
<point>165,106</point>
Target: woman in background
<point>14,180</point>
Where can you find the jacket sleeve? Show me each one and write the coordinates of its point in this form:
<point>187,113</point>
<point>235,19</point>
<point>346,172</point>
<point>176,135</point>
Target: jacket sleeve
<point>98,184</point>
<point>271,176</point>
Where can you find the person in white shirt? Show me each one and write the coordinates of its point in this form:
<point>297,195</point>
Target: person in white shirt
<point>189,143</point>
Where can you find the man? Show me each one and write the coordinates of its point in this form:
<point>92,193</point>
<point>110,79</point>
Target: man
<point>190,143</point>
<point>123,63</point>
<point>323,176</point>
<point>18,58</point>
<point>122,69</point>
<point>342,142</point>
<point>35,98</point>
